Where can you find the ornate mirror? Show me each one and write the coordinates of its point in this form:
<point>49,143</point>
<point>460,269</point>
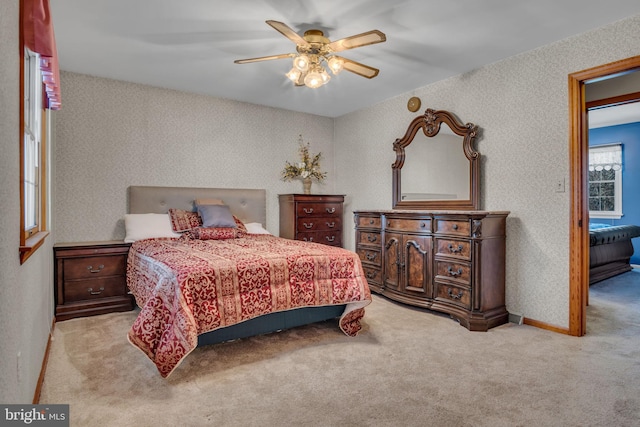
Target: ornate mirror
<point>437,168</point>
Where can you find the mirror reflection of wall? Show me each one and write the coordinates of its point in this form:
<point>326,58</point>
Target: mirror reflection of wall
<point>435,168</point>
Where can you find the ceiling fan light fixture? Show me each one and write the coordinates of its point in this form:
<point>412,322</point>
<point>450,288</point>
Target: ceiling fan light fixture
<point>325,76</point>
<point>294,74</point>
<point>335,64</point>
<point>313,79</point>
<point>301,62</point>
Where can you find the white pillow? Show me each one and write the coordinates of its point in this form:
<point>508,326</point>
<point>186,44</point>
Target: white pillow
<point>255,228</point>
<point>147,226</point>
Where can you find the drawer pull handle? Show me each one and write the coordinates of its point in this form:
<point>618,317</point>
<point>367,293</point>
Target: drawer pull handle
<point>330,238</point>
<point>455,226</point>
<point>372,238</point>
<point>423,225</point>
<point>371,274</point>
<point>332,210</point>
<point>454,273</point>
<point>331,224</point>
<point>310,239</point>
<point>98,292</point>
<point>455,250</point>
<point>371,221</point>
<point>308,211</point>
<point>370,256</point>
<point>91,270</point>
<point>454,296</point>
<point>310,225</point>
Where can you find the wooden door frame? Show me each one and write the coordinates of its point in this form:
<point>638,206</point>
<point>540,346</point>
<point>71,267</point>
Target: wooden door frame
<point>578,163</point>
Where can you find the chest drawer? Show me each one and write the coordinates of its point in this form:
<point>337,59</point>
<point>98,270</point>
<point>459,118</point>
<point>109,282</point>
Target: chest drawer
<point>411,225</point>
<point>319,223</point>
<point>455,227</point>
<point>331,238</point>
<point>94,267</point>
<point>324,209</point>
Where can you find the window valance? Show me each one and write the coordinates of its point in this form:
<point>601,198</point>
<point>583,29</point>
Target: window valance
<point>605,157</point>
<point>38,36</point>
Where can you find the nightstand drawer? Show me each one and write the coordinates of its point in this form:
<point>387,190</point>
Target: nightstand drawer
<point>94,267</point>
<point>79,290</point>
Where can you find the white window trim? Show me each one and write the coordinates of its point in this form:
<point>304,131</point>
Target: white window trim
<point>617,209</point>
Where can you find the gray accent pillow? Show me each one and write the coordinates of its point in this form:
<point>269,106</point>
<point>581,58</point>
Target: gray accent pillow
<point>216,216</point>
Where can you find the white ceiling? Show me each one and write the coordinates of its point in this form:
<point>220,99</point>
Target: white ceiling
<point>190,45</point>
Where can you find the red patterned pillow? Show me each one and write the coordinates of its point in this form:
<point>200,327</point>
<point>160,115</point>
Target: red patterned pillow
<point>240,224</point>
<point>182,220</point>
<point>214,233</point>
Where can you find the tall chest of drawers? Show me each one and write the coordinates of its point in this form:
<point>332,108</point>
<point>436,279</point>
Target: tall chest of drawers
<point>452,262</point>
<point>90,278</point>
<point>312,218</point>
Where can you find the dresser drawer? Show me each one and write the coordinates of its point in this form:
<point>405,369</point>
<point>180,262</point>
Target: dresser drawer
<point>369,222</point>
<point>79,290</point>
<point>454,294</point>
<point>453,248</point>
<point>455,227</point>
<point>368,238</point>
<point>308,209</point>
<point>319,223</point>
<point>94,267</point>
<point>411,225</point>
<point>369,256</point>
<point>373,275</point>
<point>453,271</point>
<point>331,238</point>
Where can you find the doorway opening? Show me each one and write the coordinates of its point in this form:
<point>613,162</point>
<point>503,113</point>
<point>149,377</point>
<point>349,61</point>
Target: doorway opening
<point>578,164</point>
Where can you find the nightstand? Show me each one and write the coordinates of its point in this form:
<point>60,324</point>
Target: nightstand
<point>312,218</point>
<point>91,278</point>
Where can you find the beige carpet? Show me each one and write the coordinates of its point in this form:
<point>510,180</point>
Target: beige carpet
<point>408,367</point>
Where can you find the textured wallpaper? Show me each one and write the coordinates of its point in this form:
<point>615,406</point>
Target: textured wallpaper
<point>113,134</point>
<point>521,107</point>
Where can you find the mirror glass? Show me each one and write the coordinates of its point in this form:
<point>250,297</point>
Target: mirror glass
<point>436,165</point>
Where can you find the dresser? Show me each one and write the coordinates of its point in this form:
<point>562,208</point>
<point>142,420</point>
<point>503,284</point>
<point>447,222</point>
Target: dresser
<point>447,261</point>
<point>312,218</point>
<point>90,278</point>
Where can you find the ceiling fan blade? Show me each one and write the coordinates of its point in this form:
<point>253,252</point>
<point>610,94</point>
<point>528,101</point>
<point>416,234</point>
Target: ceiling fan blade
<point>364,39</point>
<point>359,69</point>
<point>286,31</point>
<point>264,58</point>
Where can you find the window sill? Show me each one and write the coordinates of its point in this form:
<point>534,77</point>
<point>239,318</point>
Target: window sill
<point>31,245</point>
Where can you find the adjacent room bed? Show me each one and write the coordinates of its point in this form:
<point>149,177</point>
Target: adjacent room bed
<point>204,278</point>
<point>610,250</point>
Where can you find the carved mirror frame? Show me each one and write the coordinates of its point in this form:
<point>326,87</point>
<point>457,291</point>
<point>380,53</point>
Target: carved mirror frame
<point>430,123</point>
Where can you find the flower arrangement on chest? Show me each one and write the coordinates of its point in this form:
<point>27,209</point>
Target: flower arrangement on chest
<point>307,168</point>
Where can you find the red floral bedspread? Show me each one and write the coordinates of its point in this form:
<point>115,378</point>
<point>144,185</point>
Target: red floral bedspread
<point>187,287</point>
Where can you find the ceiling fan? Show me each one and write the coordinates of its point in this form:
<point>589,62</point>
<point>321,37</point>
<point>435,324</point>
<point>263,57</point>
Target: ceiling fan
<point>314,48</point>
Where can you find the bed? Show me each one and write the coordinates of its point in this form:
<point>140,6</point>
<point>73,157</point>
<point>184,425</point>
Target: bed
<point>198,291</point>
<point>610,250</point>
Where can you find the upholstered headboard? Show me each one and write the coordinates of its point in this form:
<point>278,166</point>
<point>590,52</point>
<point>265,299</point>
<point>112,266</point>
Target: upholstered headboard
<point>247,204</point>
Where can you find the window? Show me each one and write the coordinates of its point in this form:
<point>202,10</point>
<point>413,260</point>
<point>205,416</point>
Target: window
<point>40,93</point>
<point>33,158</point>
<point>605,181</point>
